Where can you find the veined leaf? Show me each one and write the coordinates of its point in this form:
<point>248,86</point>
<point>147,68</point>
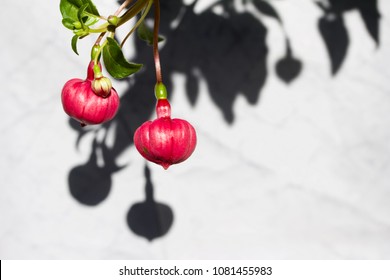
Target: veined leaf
<point>115,62</point>
<point>70,8</point>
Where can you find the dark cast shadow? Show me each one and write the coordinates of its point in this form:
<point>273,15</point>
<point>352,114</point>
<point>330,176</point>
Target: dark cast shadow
<point>334,32</point>
<point>91,182</point>
<point>228,51</point>
<point>150,219</point>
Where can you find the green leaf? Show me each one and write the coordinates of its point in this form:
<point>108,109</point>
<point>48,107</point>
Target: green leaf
<point>70,8</point>
<point>68,23</point>
<point>74,44</point>
<point>115,62</point>
<point>91,7</point>
<point>81,12</point>
<point>91,21</point>
<point>146,34</point>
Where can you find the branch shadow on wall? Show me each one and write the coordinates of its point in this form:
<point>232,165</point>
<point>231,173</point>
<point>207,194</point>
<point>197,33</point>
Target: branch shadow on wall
<point>228,51</point>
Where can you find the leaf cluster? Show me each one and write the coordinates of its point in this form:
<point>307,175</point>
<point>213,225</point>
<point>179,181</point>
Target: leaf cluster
<point>78,13</point>
<point>79,16</point>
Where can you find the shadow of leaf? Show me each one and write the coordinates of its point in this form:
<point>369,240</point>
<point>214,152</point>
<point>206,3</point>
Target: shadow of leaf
<point>266,8</point>
<point>371,17</point>
<point>335,36</point>
<point>334,32</point>
<point>228,52</point>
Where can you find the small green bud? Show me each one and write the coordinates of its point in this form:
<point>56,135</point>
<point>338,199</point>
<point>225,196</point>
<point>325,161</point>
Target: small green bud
<point>113,20</point>
<point>102,86</point>
<point>77,25</point>
<point>160,91</point>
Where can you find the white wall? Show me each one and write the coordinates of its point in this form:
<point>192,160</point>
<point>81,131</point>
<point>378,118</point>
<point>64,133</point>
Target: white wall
<point>302,174</point>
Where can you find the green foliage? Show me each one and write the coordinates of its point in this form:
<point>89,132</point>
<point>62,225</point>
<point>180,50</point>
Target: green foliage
<point>68,23</point>
<point>77,15</point>
<point>74,11</point>
<point>70,8</point>
<point>115,62</point>
<point>74,44</point>
<point>80,14</point>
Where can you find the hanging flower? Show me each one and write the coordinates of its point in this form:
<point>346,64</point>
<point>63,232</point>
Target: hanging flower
<point>90,101</point>
<point>165,141</point>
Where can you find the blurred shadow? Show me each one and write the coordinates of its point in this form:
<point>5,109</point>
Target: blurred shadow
<point>149,218</point>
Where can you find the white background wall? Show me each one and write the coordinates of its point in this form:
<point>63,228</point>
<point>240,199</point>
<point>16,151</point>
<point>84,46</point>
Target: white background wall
<point>303,174</point>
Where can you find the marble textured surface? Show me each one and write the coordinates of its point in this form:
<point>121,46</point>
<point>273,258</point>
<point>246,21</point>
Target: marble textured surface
<point>302,174</point>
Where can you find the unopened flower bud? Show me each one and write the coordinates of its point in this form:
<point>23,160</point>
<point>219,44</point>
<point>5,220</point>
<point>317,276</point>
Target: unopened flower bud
<point>77,25</point>
<point>102,86</point>
<point>113,20</point>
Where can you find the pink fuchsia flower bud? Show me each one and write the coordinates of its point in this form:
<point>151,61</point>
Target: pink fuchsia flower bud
<point>81,102</point>
<point>165,141</point>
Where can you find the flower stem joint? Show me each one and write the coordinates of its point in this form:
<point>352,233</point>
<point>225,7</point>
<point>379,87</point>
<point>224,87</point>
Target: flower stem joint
<point>113,23</point>
<point>165,141</point>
